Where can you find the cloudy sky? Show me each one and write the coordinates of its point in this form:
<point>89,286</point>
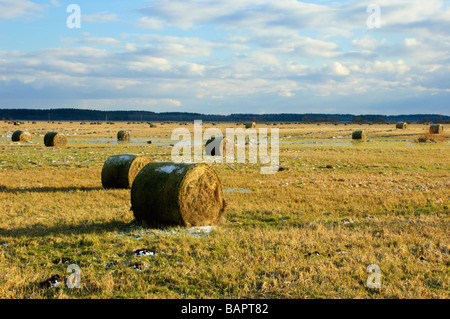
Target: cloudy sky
<point>227,56</point>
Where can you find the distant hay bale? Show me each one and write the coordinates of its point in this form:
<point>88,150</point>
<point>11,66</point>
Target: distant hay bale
<point>123,136</point>
<point>401,125</point>
<point>250,124</point>
<point>21,136</point>
<point>55,139</point>
<point>119,171</point>
<point>223,145</point>
<point>436,128</point>
<point>177,194</point>
<point>359,135</point>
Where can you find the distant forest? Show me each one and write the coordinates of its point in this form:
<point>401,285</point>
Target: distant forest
<point>136,116</point>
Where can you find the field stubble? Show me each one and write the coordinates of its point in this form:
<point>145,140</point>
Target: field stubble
<point>307,232</point>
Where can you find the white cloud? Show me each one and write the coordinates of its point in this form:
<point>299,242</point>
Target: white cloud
<point>100,17</point>
<point>149,23</point>
<point>100,41</point>
<point>10,9</point>
<point>367,43</point>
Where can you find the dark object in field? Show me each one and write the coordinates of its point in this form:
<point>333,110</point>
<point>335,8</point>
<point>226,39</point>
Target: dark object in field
<point>55,139</point>
<point>359,135</point>
<point>280,169</point>
<point>177,194</point>
<point>250,124</point>
<point>53,281</point>
<point>123,136</point>
<point>224,146</point>
<point>119,171</point>
<point>313,253</point>
<point>62,260</point>
<point>21,136</point>
<point>436,128</point>
<point>149,142</point>
<point>401,125</point>
<point>137,266</point>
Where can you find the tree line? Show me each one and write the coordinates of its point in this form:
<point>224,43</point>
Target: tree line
<point>136,116</point>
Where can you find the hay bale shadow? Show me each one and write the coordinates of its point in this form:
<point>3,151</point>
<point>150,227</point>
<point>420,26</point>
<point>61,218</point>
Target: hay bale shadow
<point>46,189</point>
<point>40,230</point>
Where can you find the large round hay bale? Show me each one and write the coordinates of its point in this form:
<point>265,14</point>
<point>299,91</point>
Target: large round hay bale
<point>250,124</point>
<point>123,136</point>
<point>55,139</point>
<point>359,135</point>
<point>401,125</point>
<point>224,146</point>
<point>119,171</point>
<point>436,128</point>
<point>21,136</point>
<point>177,194</point>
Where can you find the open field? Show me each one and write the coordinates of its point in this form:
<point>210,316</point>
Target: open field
<point>307,232</point>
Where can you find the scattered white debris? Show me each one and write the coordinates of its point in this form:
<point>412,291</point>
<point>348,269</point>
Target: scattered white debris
<point>144,252</point>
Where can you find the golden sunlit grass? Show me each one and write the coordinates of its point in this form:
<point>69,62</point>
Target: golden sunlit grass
<point>307,232</point>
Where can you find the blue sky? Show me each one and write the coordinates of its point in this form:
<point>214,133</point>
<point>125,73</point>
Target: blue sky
<point>222,57</point>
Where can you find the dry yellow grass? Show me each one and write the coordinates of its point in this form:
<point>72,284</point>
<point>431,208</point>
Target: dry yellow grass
<point>308,232</point>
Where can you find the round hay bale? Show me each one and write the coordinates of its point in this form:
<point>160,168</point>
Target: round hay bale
<point>123,136</point>
<point>119,171</point>
<point>359,135</point>
<point>21,136</point>
<point>224,145</point>
<point>250,124</point>
<point>55,139</point>
<point>436,128</point>
<point>401,125</point>
<point>177,194</point>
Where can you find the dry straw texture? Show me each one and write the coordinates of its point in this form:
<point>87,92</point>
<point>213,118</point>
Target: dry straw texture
<point>250,124</point>
<point>55,139</point>
<point>119,171</point>
<point>436,128</point>
<point>224,146</point>
<point>21,136</point>
<point>402,125</point>
<point>359,135</point>
<point>123,136</point>
<point>177,194</point>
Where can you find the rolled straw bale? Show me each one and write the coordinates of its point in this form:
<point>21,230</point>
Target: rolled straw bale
<point>177,194</point>
<point>250,124</point>
<point>436,128</point>
<point>223,145</point>
<point>55,139</point>
<point>21,136</point>
<point>119,171</point>
<point>123,136</point>
<point>401,125</point>
<point>359,135</point>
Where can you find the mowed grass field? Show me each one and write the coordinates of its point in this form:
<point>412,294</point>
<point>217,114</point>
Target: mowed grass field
<point>307,232</point>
